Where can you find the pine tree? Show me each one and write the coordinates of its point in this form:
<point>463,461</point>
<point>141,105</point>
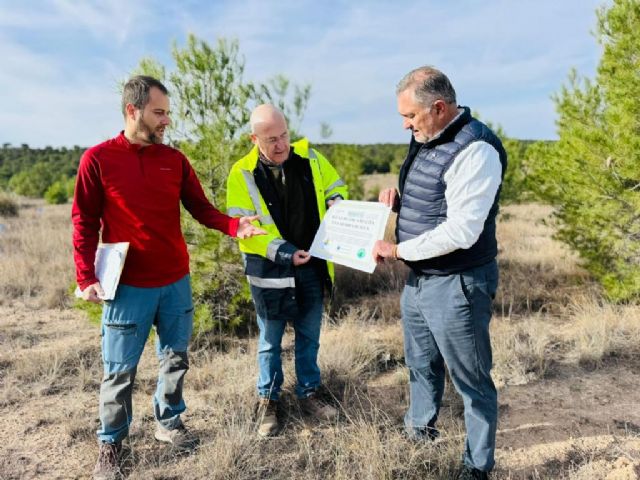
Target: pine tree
<point>592,174</point>
<point>211,104</point>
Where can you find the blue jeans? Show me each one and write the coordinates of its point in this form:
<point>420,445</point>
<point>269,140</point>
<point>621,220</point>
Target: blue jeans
<point>306,325</point>
<point>126,323</point>
<point>446,321</point>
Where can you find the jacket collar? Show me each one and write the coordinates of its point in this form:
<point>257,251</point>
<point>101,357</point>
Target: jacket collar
<point>122,141</point>
<point>450,131</point>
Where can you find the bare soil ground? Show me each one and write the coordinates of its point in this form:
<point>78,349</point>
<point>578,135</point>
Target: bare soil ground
<point>569,399</point>
<point>550,428</point>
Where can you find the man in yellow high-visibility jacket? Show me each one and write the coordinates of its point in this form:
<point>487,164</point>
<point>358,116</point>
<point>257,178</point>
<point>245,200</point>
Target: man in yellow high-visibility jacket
<point>290,186</point>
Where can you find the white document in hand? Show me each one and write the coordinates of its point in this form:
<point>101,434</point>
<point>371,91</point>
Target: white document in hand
<point>110,259</point>
<point>348,232</point>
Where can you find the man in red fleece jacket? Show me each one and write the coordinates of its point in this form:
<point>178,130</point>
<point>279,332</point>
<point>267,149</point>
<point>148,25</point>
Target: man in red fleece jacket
<point>129,189</point>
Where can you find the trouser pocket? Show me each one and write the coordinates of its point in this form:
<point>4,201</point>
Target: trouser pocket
<point>120,341</point>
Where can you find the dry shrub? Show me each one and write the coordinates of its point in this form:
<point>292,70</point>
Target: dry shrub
<point>598,331</point>
<point>36,263</point>
<point>8,205</point>
<point>522,350</point>
<point>237,453</point>
<point>379,293</point>
<point>590,332</point>
<point>372,447</point>
<point>602,457</point>
<point>626,466</point>
<point>46,353</point>
<point>537,273</point>
<point>207,369</point>
<point>74,366</point>
<point>347,352</point>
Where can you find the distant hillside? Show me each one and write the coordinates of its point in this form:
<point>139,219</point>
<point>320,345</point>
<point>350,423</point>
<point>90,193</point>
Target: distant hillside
<point>373,158</point>
<point>31,171</point>
<point>52,164</point>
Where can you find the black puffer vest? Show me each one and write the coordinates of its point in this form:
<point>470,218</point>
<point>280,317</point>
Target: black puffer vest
<point>423,204</point>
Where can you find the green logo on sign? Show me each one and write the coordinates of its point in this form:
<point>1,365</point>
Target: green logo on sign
<point>361,253</point>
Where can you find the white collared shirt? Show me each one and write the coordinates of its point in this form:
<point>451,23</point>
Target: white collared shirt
<point>471,181</point>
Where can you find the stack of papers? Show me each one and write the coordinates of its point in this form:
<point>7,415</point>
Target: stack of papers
<point>110,259</point>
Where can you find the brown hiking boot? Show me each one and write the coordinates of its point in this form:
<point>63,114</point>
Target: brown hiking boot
<point>268,417</point>
<point>107,467</point>
<point>179,438</point>
<point>317,409</point>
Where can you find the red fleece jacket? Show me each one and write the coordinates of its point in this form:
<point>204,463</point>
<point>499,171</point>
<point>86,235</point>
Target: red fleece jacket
<point>133,193</point>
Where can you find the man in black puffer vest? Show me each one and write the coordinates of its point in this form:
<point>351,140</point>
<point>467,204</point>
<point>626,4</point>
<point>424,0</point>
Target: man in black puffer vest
<point>447,204</point>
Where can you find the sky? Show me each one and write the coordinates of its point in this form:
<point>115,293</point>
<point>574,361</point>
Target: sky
<point>62,60</point>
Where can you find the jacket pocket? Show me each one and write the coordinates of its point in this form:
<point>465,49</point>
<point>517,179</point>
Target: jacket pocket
<point>275,303</point>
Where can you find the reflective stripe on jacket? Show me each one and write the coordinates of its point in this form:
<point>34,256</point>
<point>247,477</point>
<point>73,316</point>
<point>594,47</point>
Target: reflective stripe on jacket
<point>244,198</point>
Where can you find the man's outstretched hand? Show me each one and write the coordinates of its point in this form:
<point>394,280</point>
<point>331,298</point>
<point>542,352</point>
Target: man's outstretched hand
<point>246,229</point>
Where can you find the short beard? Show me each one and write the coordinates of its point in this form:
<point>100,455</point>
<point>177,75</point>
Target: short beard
<point>144,132</point>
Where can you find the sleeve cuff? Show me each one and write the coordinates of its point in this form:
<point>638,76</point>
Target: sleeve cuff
<point>84,284</point>
<point>233,227</point>
<point>284,255</point>
<point>401,251</point>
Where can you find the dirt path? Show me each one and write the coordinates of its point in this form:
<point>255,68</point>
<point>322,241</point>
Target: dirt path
<point>578,424</point>
<point>578,417</point>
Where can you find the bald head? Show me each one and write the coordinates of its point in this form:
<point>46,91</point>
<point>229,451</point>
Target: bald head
<point>269,133</point>
<point>264,116</point>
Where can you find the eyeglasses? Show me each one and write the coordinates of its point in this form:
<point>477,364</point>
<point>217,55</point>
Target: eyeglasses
<point>273,140</point>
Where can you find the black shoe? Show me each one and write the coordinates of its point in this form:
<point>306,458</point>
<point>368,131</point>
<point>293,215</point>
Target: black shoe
<point>470,473</point>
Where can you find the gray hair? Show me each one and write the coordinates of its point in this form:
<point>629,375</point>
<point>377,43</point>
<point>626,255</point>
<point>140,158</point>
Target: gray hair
<point>136,91</point>
<point>429,84</point>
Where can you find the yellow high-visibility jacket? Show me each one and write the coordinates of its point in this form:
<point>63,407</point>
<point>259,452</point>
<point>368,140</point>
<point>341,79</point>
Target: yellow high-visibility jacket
<point>264,262</point>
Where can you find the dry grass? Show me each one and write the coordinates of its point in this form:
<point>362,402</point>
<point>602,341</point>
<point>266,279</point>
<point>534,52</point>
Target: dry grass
<point>549,317</point>
<point>374,183</point>
<point>549,312</point>
<point>537,273</point>
<point>603,457</point>
<point>36,263</point>
<point>598,331</point>
<point>8,205</point>
<point>589,335</point>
